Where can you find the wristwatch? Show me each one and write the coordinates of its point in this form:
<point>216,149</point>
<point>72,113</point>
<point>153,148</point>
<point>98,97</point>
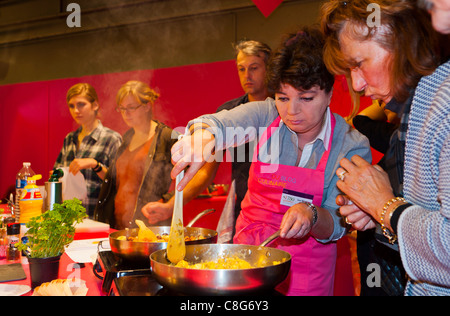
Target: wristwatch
<point>98,167</point>
<point>314,211</point>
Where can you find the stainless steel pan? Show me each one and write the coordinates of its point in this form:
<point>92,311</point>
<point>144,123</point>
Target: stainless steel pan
<point>140,251</point>
<point>222,282</point>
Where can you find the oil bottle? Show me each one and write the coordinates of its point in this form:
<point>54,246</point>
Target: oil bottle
<point>31,200</point>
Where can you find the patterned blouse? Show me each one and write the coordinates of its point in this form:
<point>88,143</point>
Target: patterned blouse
<point>101,144</point>
<point>424,228</point>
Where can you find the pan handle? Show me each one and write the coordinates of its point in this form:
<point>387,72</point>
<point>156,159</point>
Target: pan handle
<point>270,238</point>
<point>200,215</point>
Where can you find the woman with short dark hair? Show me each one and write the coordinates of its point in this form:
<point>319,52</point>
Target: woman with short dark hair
<point>292,179</point>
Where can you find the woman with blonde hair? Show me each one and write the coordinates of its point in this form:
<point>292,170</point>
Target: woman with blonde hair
<point>141,172</point>
<point>406,201</point>
<point>91,148</point>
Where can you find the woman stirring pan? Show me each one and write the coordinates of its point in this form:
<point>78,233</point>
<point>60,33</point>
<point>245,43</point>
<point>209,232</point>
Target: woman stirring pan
<point>292,177</point>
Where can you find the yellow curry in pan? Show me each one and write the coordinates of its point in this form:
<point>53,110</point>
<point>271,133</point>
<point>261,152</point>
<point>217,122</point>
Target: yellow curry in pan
<point>159,238</point>
<point>145,234</point>
<point>223,263</point>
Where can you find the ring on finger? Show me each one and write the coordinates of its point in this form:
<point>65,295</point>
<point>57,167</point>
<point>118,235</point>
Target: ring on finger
<point>347,221</point>
<point>342,175</point>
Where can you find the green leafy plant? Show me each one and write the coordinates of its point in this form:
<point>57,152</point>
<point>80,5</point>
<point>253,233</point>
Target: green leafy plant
<point>49,233</point>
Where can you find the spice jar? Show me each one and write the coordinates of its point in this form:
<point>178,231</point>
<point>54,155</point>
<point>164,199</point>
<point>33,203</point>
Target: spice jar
<point>13,236</point>
<point>4,244</point>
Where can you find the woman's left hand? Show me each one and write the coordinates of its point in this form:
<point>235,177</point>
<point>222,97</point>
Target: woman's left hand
<point>297,222</point>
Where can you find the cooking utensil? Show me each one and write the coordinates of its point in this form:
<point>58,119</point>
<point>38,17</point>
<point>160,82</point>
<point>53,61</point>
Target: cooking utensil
<point>200,215</point>
<point>176,248</point>
<point>224,281</point>
<point>270,238</point>
<point>145,232</point>
<point>140,251</point>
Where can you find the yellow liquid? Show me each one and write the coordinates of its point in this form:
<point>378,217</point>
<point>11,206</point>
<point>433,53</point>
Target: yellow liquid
<point>29,209</point>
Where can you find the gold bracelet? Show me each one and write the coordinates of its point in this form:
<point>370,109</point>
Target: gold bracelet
<point>391,237</point>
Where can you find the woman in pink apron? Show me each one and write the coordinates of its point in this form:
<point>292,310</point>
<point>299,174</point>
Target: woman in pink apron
<point>263,209</point>
<point>292,180</point>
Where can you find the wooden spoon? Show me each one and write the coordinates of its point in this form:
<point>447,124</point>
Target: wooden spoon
<point>176,248</point>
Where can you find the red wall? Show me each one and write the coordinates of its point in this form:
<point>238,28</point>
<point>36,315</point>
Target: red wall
<point>34,118</point>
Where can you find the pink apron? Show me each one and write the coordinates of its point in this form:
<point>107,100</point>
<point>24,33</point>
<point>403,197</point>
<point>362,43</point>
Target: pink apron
<point>270,195</point>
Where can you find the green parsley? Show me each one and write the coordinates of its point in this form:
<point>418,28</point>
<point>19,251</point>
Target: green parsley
<point>50,232</point>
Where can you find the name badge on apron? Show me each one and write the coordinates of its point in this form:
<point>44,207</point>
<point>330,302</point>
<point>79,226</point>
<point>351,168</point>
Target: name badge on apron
<point>289,198</point>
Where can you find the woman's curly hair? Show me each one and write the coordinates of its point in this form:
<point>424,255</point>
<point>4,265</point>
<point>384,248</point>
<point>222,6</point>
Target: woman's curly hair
<point>299,62</point>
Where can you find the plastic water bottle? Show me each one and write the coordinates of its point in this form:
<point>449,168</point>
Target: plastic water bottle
<point>21,182</point>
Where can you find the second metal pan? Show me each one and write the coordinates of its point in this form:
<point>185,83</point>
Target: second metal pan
<point>140,251</point>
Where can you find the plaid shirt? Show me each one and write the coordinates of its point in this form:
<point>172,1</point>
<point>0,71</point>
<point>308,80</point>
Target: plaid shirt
<point>101,144</point>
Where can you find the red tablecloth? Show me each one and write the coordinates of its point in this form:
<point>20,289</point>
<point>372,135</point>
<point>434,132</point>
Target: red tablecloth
<point>68,269</point>
<point>343,282</point>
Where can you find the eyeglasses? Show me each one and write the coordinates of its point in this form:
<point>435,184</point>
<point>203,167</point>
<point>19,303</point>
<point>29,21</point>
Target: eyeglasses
<point>129,109</point>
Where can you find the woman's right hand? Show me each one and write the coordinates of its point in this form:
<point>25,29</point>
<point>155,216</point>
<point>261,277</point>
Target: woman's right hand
<point>81,163</point>
<point>192,151</point>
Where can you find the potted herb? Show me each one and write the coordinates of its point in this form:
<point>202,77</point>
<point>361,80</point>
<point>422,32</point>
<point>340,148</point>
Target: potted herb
<point>48,235</point>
